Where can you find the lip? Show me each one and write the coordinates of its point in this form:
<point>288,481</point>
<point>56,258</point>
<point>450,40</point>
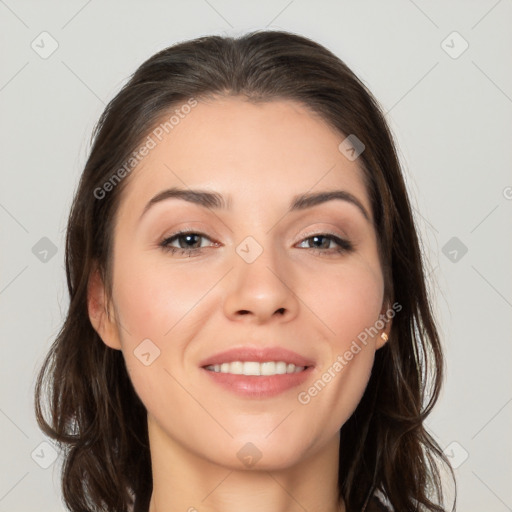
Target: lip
<point>258,386</point>
<point>259,355</point>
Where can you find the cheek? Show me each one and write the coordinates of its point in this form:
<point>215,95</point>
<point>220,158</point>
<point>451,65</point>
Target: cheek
<point>156,303</point>
<point>154,299</point>
<point>348,301</point>
<point>349,305</point>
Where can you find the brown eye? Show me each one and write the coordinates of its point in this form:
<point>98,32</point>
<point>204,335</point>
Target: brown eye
<point>189,242</point>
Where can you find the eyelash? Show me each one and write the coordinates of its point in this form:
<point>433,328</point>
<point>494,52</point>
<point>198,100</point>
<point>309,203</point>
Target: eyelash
<point>344,246</point>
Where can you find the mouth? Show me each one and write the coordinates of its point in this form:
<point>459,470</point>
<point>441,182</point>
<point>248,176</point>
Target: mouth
<point>256,368</point>
<point>258,373</point>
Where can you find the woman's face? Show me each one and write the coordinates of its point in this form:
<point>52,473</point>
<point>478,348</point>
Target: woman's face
<point>263,275</point>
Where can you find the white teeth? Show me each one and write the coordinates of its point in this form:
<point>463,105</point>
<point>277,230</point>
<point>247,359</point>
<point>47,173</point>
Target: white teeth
<point>268,368</point>
<point>251,368</point>
<point>281,367</point>
<point>255,368</point>
<point>237,367</point>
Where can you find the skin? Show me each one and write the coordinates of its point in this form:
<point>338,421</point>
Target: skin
<point>192,307</point>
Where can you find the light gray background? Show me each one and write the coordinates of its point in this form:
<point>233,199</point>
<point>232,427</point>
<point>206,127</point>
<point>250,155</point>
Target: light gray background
<point>452,118</point>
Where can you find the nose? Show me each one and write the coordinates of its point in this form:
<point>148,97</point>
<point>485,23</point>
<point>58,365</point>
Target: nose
<point>261,291</point>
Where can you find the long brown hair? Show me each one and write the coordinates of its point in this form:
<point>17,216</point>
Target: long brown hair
<point>95,413</point>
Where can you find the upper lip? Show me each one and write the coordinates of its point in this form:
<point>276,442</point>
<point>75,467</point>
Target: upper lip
<point>260,355</point>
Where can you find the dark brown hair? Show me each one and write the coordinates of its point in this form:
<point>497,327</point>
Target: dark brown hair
<point>95,413</point>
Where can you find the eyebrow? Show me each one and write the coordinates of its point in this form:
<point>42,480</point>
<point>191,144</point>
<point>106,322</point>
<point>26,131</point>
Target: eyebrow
<point>214,200</point>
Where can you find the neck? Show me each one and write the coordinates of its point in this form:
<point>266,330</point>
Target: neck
<point>185,482</point>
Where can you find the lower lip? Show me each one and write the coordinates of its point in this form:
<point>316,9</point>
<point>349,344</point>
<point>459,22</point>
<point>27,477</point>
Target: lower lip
<point>259,386</point>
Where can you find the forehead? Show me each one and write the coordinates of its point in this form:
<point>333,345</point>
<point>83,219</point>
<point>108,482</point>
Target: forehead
<point>251,152</point>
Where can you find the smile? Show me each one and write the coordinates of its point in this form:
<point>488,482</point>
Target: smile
<point>256,368</point>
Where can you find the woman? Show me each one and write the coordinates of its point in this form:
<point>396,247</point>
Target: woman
<point>249,324</point>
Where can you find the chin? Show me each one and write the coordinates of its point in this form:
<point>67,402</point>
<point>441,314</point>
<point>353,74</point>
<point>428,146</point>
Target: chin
<point>260,453</point>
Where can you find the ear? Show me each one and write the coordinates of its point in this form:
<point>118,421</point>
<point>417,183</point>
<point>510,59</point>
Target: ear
<point>102,319</point>
<point>383,336</point>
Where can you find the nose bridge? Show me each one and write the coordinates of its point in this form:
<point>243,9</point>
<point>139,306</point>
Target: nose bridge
<point>259,281</point>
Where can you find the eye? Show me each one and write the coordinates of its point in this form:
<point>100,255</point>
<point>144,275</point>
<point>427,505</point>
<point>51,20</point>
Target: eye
<point>189,243</point>
<point>321,243</point>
